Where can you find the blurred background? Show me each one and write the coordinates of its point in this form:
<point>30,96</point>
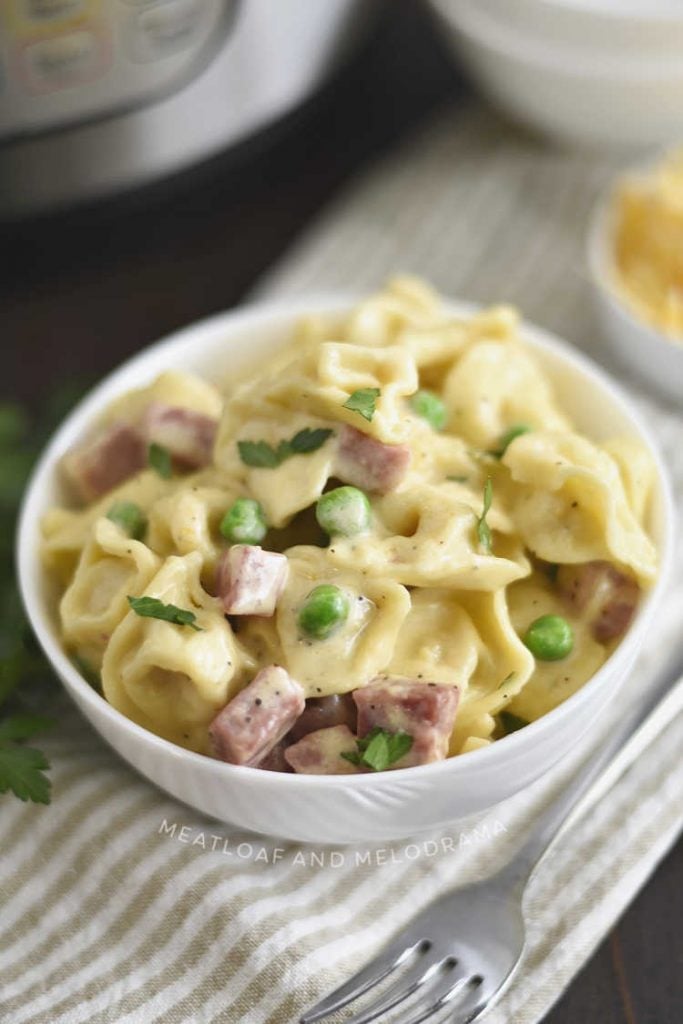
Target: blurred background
<point>157,157</point>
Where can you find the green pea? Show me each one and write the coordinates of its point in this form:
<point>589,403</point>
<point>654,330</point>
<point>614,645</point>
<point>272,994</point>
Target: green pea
<point>509,436</point>
<point>325,609</point>
<point>244,522</point>
<point>549,638</point>
<point>129,517</point>
<point>343,511</point>
<point>430,407</point>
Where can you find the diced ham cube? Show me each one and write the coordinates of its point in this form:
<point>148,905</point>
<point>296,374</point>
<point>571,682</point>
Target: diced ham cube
<point>601,595</point>
<point>319,752</point>
<point>105,460</point>
<point>424,710</point>
<point>275,761</point>
<point>323,713</point>
<point>370,464</point>
<point>254,722</point>
<point>187,435</point>
<point>250,580</point>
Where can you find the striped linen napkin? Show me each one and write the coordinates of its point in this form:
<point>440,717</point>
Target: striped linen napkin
<point>121,905</point>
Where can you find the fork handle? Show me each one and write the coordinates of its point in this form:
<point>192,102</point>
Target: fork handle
<point>628,739</point>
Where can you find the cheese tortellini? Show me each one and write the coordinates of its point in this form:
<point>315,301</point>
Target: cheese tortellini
<point>170,680</point>
<point>412,467</point>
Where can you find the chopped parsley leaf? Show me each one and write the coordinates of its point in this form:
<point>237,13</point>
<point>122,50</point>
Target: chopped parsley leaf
<point>258,454</point>
<point>483,528</point>
<point>363,401</point>
<point>159,459</point>
<point>508,437</point>
<point>262,455</point>
<point>129,517</point>
<point>153,608</point>
<point>379,749</point>
<point>306,441</point>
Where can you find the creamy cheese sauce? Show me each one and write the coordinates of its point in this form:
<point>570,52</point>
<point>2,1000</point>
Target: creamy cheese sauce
<point>430,597</point>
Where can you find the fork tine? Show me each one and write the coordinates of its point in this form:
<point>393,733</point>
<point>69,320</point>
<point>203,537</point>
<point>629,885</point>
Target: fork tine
<point>411,981</point>
<point>388,959</point>
<point>471,1010</point>
<point>452,988</point>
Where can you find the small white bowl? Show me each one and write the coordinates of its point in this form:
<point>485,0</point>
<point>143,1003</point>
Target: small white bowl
<point>591,96</point>
<point>647,353</point>
<point>335,809</point>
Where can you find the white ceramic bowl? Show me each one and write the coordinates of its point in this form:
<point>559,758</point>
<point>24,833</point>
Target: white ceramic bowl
<point>591,95</point>
<point>624,28</point>
<point>648,354</point>
<point>332,809</point>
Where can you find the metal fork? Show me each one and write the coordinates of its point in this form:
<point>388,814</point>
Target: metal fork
<point>437,973</point>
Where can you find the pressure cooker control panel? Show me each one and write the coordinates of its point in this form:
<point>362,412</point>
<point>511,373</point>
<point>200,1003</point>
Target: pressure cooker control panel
<point>67,61</point>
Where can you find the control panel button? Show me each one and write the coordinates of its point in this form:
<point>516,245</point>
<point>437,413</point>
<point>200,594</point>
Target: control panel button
<point>165,28</point>
<point>70,60</point>
<point>63,61</point>
<point>45,10</point>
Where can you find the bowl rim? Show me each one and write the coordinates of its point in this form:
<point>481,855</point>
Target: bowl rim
<point>611,14</point>
<point>480,26</point>
<point>599,250</point>
<point>31,574</point>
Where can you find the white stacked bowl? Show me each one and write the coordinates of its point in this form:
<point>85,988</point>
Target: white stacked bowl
<point>593,72</point>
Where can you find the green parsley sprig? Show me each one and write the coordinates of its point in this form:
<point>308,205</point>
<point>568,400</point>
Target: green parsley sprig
<point>379,749</point>
<point>23,670</point>
<point>261,455</point>
<point>22,768</point>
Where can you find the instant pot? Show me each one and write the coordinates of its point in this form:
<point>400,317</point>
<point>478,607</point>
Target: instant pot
<point>102,95</point>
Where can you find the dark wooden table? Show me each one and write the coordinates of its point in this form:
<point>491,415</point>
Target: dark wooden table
<point>80,292</point>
